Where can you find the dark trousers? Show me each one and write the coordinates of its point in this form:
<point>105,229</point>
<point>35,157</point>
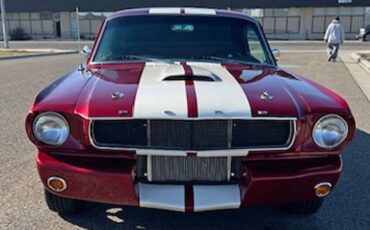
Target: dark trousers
<point>333,49</point>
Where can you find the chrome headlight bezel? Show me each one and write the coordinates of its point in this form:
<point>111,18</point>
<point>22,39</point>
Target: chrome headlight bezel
<point>65,128</point>
<point>320,121</point>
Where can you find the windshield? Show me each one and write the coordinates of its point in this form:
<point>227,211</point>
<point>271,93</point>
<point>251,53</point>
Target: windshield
<point>181,37</point>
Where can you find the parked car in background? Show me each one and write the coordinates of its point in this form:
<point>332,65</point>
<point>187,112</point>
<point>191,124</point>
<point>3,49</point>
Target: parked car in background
<point>185,109</point>
<point>364,34</point>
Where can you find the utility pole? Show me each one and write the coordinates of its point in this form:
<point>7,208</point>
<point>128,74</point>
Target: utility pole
<point>3,14</point>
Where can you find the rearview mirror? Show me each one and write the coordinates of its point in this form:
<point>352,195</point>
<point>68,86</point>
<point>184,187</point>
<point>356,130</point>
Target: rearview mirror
<point>276,53</point>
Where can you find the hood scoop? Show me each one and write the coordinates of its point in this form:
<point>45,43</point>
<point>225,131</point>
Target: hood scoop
<point>173,73</point>
<point>192,77</point>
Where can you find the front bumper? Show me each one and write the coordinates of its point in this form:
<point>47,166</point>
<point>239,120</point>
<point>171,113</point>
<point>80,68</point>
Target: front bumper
<point>264,183</point>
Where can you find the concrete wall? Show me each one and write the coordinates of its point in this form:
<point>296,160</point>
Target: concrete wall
<point>65,24</point>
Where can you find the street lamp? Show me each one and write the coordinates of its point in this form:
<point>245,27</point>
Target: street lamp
<point>5,34</point>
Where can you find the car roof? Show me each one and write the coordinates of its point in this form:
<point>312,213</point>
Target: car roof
<point>180,11</point>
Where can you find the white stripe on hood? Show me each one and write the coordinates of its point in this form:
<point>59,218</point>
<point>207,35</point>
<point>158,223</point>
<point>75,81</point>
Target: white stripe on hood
<point>223,98</point>
<point>160,99</point>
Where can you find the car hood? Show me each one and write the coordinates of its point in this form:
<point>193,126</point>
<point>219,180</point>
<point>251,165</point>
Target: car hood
<point>201,90</point>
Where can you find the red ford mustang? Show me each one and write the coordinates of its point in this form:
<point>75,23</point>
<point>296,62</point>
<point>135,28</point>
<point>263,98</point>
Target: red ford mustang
<point>185,109</point>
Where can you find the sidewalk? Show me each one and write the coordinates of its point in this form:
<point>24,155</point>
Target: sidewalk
<point>28,53</point>
<point>359,74</point>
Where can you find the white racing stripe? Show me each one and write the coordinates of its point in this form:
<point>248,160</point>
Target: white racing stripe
<point>164,10</point>
<point>200,11</point>
<point>160,99</point>
<point>224,98</point>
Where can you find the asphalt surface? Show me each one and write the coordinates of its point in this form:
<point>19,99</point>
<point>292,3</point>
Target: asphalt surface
<point>21,198</point>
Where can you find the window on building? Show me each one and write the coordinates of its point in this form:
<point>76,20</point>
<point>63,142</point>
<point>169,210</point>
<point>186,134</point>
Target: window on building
<point>268,12</point>
<point>35,16</point>
<point>319,11</point>
<point>24,16</point>
<point>358,10</point>
<point>331,11</point>
<point>281,12</point>
<point>12,16</point>
<point>257,13</point>
<point>46,16</point>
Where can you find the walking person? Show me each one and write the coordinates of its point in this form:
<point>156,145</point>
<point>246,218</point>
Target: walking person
<point>334,36</point>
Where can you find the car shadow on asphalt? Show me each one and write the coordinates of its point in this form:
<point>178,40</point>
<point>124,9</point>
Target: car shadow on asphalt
<point>103,216</point>
<point>100,216</point>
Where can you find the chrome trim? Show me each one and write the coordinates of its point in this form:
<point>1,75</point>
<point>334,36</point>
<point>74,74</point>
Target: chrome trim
<point>229,160</point>
<point>148,136</point>
<point>323,184</point>
<point>190,118</point>
<point>181,152</point>
<point>149,173</point>
<point>229,133</point>
<point>57,178</point>
<point>341,163</point>
<point>325,117</point>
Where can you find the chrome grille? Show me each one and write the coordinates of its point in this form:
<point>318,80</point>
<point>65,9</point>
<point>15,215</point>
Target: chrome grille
<point>165,169</point>
<point>178,169</point>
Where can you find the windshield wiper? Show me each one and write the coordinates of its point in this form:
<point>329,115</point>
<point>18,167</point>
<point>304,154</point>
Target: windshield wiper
<point>132,57</point>
<point>215,58</point>
<point>123,57</point>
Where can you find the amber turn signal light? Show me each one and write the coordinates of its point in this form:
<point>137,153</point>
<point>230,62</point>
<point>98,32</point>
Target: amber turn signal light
<point>323,189</point>
<point>57,184</point>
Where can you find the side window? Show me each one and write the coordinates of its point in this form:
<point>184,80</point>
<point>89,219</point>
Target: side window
<point>256,49</point>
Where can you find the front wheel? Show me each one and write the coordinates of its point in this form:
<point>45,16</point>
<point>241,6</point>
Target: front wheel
<point>305,207</point>
<point>60,204</point>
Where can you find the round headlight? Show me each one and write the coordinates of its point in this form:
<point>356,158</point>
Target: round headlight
<point>51,128</point>
<point>330,131</point>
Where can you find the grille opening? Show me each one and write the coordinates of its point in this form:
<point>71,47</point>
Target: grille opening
<point>194,135</point>
<point>179,169</point>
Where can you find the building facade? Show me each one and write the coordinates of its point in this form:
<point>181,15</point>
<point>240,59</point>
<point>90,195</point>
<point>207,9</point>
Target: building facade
<point>285,19</point>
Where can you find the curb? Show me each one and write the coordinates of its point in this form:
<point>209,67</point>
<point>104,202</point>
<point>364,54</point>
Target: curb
<point>362,61</point>
<point>38,55</point>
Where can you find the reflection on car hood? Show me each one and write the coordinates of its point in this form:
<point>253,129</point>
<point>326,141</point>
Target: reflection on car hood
<point>201,90</point>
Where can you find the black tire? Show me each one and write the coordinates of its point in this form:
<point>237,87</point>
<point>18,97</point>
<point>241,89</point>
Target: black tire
<point>60,204</point>
<point>305,207</point>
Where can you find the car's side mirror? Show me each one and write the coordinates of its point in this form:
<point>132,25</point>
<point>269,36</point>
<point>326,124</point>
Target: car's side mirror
<point>86,51</point>
<point>276,53</point>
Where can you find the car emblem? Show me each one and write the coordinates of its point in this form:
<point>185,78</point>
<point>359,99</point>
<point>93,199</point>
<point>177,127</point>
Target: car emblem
<point>266,96</point>
<point>262,112</point>
<point>117,95</point>
<point>122,112</point>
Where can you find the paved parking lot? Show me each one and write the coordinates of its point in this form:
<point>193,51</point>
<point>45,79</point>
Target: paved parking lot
<point>21,199</point>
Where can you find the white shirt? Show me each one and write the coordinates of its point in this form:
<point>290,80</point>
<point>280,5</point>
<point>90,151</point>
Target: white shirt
<point>334,33</point>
